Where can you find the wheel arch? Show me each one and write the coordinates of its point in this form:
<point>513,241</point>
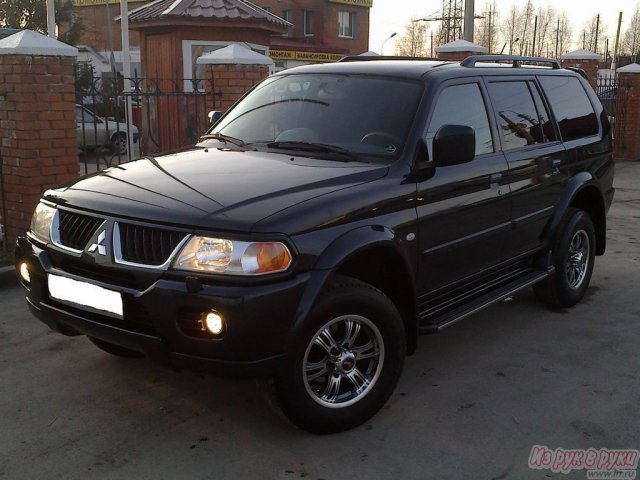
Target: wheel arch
<point>582,192</point>
<point>358,254</point>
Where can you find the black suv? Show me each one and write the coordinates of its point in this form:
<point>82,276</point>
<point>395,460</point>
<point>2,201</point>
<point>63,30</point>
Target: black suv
<point>333,214</point>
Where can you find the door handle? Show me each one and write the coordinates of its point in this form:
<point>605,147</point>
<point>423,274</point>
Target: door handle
<point>494,180</point>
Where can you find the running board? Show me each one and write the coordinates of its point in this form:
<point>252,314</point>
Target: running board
<point>489,298</point>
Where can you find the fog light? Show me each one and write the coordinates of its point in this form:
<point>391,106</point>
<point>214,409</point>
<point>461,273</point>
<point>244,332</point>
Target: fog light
<point>24,272</point>
<point>214,323</point>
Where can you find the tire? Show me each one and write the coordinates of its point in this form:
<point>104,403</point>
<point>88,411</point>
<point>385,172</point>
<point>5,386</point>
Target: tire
<point>120,144</point>
<point>573,258</point>
<point>116,350</point>
<point>322,386</point>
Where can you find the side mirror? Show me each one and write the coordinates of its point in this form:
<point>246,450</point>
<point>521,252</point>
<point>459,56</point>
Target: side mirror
<point>214,116</point>
<point>454,145</point>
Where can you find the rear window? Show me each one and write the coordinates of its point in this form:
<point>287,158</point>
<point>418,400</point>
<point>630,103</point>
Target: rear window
<point>571,106</point>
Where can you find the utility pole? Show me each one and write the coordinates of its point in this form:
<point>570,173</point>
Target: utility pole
<point>595,48</point>
<point>615,49</point>
<point>535,32</point>
<point>469,9</point>
<point>557,37</point>
<point>126,71</point>
<point>51,19</point>
<point>491,13</point>
<point>431,43</point>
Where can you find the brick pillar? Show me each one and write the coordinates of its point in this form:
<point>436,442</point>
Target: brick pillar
<point>38,147</point>
<point>627,130</point>
<point>230,82</point>
<point>589,66</point>
<point>455,56</point>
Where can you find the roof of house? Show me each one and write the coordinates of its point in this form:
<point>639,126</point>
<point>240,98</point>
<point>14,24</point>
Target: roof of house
<point>581,55</point>
<point>461,46</point>
<point>204,9</point>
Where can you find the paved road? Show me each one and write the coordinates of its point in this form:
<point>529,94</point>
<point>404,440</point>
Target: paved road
<point>470,403</point>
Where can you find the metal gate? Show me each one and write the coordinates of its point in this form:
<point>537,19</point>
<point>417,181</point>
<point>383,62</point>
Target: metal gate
<point>612,93</point>
<point>167,115</point>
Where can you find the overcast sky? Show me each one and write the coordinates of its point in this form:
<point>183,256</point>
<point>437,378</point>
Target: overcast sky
<point>389,16</point>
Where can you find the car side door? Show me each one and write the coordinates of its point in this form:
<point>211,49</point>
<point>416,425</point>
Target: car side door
<point>536,157</point>
<point>463,210</point>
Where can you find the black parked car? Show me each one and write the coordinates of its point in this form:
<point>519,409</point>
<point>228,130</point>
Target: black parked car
<point>332,215</point>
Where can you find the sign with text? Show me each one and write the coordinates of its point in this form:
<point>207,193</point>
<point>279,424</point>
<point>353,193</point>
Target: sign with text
<point>304,56</point>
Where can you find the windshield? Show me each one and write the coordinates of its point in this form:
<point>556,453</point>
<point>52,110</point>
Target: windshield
<point>363,115</point>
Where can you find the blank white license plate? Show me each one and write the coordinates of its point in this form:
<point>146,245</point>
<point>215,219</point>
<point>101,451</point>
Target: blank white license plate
<point>85,295</point>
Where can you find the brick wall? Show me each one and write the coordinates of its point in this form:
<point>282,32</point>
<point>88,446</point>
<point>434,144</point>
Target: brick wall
<point>590,67</point>
<point>627,136</point>
<point>230,82</point>
<point>37,134</point>
<point>455,56</point>
<point>95,26</point>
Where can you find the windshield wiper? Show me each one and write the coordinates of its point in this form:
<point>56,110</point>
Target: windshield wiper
<point>312,147</point>
<point>224,139</point>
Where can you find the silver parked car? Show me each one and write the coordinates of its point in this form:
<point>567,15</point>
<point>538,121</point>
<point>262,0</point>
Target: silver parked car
<point>96,132</point>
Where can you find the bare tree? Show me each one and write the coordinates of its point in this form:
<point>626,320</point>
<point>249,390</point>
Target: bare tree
<point>564,33</point>
<point>592,35</point>
<point>526,28</point>
<point>413,42</point>
<point>511,27</point>
<point>487,29</point>
<point>545,38</point>
<point>631,39</point>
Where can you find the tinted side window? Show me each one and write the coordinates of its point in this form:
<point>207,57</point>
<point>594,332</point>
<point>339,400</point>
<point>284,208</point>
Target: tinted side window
<point>545,122</point>
<point>461,105</point>
<point>518,119</point>
<point>571,106</point>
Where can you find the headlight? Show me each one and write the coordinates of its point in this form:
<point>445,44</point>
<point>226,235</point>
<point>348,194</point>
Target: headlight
<point>41,222</point>
<point>217,255</point>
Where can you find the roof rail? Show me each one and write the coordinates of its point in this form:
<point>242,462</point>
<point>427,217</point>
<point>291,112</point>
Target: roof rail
<point>516,60</point>
<point>369,58</point>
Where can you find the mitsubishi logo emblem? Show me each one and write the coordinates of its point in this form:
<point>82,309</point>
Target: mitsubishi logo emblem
<point>102,250</point>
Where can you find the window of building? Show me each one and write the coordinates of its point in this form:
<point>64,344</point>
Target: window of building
<point>307,22</point>
<point>571,106</point>
<point>517,115</point>
<point>461,105</point>
<point>286,15</point>
<point>346,24</point>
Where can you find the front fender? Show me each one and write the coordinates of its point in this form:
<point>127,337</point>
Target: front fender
<point>336,254</point>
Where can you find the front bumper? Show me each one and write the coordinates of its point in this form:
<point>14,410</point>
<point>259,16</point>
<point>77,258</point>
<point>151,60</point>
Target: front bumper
<point>159,318</point>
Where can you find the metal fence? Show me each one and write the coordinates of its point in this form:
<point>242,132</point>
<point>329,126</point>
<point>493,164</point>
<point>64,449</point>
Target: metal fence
<point>612,94</point>
<point>166,115</point>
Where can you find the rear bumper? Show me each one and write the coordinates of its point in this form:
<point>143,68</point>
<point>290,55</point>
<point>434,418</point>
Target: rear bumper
<point>258,318</point>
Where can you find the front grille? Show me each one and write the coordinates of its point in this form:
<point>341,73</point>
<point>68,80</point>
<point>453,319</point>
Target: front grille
<point>76,230</point>
<point>147,246</point>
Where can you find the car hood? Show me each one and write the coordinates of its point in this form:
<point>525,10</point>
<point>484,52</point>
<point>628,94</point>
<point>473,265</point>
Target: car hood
<point>211,188</point>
